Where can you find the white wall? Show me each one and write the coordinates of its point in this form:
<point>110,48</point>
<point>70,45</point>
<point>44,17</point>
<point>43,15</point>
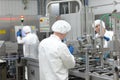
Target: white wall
<point>16,7</point>
<point>104,6</point>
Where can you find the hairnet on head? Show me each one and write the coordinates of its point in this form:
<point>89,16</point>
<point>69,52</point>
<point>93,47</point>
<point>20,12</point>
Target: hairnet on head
<point>26,29</point>
<point>98,22</point>
<point>61,26</point>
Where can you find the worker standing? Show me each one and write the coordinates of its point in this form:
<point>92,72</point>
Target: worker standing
<point>107,35</point>
<point>30,43</point>
<point>54,56</point>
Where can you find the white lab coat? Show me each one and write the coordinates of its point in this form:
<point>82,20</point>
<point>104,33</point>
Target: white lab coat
<point>30,45</point>
<point>107,34</point>
<point>54,59</point>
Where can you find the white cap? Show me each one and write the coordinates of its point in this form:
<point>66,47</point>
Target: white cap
<point>98,22</point>
<point>26,29</point>
<point>61,26</point>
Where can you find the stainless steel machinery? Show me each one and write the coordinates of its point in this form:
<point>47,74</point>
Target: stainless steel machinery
<point>2,48</point>
<point>33,69</point>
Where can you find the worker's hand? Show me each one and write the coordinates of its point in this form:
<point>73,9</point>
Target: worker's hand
<point>71,49</point>
<point>19,34</point>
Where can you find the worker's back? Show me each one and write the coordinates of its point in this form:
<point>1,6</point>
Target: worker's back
<point>56,59</point>
<point>31,45</point>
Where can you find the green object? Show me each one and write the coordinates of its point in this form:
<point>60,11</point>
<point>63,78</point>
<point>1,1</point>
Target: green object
<point>106,16</point>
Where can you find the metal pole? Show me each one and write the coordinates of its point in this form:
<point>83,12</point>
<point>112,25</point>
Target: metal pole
<point>87,65</point>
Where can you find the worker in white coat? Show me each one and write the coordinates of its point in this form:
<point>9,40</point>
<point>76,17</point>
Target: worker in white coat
<point>30,43</point>
<point>107,35</point>
<point>54,56</point>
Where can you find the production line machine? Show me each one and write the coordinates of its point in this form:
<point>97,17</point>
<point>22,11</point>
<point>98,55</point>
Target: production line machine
<point>3,70</point>
<point>13,66</point>
<point>91,67</point>
<point>90,61</point>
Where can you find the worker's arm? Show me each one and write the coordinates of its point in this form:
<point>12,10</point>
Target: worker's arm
<point>20,40</point>
<point>67,58</point>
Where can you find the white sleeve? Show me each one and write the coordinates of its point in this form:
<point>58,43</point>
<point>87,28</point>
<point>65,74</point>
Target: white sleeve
<point>37,40</point>
<point>20,40</point>
<point>67,58</point>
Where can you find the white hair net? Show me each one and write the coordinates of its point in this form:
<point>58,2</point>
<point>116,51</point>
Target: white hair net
<point>26,29</point>
<point>61,26</point>
<point>98,22</point>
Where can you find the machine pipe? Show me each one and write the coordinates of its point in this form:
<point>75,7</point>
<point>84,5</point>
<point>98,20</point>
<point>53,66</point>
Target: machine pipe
<point>38,4</point>
<point>114,3</point>
<point>86,2</point>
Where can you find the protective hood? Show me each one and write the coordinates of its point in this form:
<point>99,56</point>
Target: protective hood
<point>98,22</point>
<point>61,26</point>
<point>26,29</point>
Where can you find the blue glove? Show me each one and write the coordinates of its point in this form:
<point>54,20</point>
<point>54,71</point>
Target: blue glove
<point>19,33</point>
<point>71,49</point>
<point>106,38</point>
